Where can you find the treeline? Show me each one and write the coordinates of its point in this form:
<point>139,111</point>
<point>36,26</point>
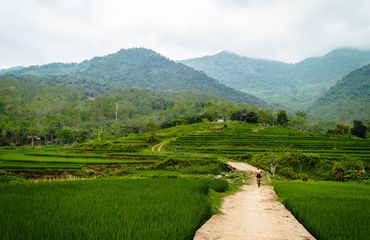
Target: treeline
<point>35,113</point>
<point>358,130</point>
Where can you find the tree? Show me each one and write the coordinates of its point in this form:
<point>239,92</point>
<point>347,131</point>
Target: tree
<point>98,133</point>
<point>266,117</point>
<point>282,118</point>
<point>34,133</point>
<point>341,129</point>
<point>251,117</point>
<point>359,129</point>
<point>244,116</point>
<point>300,121</point>
<point>151,127</point>
<point>238,115</point>
<point>52,129</point>
<point>65,135</point>
<point>116,112</point>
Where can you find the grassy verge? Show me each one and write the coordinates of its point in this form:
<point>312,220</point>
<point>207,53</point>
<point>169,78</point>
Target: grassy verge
<point>235,181</point>
<point>329,210</point>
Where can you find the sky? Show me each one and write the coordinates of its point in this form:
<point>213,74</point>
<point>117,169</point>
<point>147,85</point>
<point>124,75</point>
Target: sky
<point>43,31</point>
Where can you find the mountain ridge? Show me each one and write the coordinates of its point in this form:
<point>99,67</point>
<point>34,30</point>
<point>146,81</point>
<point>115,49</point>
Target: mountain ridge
<point>134,67</point>
<point>295,86</point>
<point>349,98</point>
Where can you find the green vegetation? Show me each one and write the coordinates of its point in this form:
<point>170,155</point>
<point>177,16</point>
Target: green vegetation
<point>359,129</point>
<point>131,68</point>
<point>37,114</point>
<point>109,209</point>
<point>203,147</point>
<point>157,174</point>
<point>348,99</point>
<point>282,118</point>
<point>329,210</point>
<point>297,154</point>
<point>148,139</point>
<point>293,86</point>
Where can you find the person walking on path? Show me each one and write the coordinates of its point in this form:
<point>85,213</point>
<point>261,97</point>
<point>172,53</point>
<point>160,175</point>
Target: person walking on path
<point>258,175</point>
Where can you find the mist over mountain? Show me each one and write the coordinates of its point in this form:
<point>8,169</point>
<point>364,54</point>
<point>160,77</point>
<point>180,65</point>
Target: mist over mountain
<point>294,86</point>
<point>349,98</point>
<point>132,68</point>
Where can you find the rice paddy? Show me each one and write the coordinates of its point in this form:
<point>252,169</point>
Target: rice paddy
<point>329,210</point>
<point>105,209</point>
<point>165,194</point>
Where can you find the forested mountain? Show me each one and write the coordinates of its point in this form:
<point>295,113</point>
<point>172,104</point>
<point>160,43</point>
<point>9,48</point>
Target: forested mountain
<point>348,99</point>
<point>58,111</point>
<point>295,86</point>
<point>6,70</point>
<point>136,67</point>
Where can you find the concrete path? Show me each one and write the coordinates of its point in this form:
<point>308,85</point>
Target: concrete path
<point>252,213</point>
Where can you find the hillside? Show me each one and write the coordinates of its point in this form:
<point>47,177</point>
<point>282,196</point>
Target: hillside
<point>348,99</point>
<point>295,86</point>
<point>133,68</point>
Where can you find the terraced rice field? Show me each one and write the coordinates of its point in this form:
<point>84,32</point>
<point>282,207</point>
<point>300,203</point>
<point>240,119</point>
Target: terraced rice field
<point>239,139</point>
<point>199,142</point>
<point>25,159</point>
<point>78,210</point>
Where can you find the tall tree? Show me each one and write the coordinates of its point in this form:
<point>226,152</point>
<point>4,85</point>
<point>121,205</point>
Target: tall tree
<point>359,129</point>
<point>282,118</point>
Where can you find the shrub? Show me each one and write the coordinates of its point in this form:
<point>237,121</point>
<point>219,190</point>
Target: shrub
<point>348,169</point>
<point>219,185</point>
<point>8,179</point>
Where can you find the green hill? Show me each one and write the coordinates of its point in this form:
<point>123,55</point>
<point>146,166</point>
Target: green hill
<point>136,67</point>
<point>348,99</point>
<point>295,86</point>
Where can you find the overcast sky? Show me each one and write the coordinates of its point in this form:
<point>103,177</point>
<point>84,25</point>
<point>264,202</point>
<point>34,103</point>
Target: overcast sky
<point>43,31</point>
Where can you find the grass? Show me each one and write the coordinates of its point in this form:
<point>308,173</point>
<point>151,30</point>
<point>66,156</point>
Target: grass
<point>198,143</point>
<point>105,209</point>
<point>164,205</point>
<point>329,210</point>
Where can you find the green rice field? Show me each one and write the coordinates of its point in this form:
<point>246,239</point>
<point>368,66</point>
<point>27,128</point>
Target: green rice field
<point>139,192</point>
<point>238,139</point>
<point>203,142</point>
<point>329,210</point>
<point>105,209</point>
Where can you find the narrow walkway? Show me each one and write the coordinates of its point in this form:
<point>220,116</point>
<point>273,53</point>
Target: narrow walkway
<point>252,213</point>
<point>158,147</point>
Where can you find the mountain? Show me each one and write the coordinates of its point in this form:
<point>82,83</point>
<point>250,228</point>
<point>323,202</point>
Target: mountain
<point>347,100</point>
<point>3,71</point>
<point>132,68</point>
<point>295,86</point>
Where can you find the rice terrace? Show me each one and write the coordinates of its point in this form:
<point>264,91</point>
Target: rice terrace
<point>121,193</point>
<point>179,120</point>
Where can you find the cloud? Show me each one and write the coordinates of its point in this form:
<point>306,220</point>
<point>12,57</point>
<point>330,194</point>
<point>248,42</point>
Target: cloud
<point>42,31</point>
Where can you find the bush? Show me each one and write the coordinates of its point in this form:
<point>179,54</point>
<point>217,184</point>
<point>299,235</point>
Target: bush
<point>219,185</point>
<point>8,179</point>
<point>152,139</point>
<point>348,169</point>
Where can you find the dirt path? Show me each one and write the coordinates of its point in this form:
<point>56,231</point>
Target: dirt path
<point>252,213</point>
<point>158,147</point>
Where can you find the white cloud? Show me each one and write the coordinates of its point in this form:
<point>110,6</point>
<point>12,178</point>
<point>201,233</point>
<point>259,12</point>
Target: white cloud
<point>42,31</point>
